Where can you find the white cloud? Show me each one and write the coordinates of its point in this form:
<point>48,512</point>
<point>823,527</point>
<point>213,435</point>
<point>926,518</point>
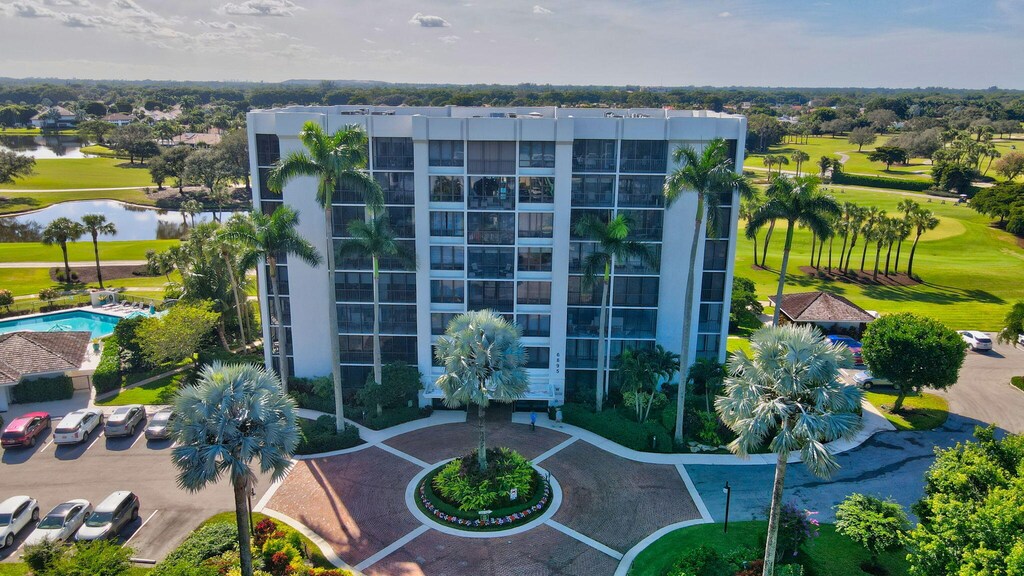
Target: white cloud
<point>261,8</point>
<point>84,21</point>
<point>428,21</point>
<point>724,14</point>
<point>79,3</point>
<point>538,9</point>
<point>31,10</point>
<point>449,39</point>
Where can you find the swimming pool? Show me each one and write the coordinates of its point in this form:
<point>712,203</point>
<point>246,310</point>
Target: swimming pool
<point>99,325</point>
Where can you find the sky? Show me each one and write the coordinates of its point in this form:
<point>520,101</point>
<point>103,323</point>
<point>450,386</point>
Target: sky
<point>839,43</point>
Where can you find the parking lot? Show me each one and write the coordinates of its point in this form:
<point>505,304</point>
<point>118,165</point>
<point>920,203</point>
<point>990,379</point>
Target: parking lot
<point>98,466</point>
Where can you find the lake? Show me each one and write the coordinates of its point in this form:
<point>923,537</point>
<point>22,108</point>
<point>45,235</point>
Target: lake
<point>44,146</point>
<point>133,222</point>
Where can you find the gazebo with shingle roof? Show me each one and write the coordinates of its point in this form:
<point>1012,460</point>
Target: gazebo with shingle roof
<point>829,312</point>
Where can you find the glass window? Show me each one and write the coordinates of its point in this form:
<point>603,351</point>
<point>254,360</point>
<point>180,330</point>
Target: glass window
<point>578,253</point>
<point>536,224</point>
<point>635,265</point>
<point>268,149</point>
<point>537,356</point>
<point>490,294</point>
<point>398,187</point>
<point>491,228</point>
<point>267,207</point>
<point>634,323</point>
<point>355,318</point>
<point>397,319</point>
<point>492,157</point>
<point>446,152</point>
<point>403,221</point>
<point>447,224</point>
<point>534,292</point>
<point>712,288</point>
<point>491,262</point>
<point>723,227</point>
<point>578,214</point>
<point>392,153</point>
<point>398,349</point>
<point>536,189</point>
<point>447,291</point>
<point>538,325</point>
<point>641,191</point>
<point>581,354</point>
<point>581,293</point>
<point>439,321</point>
<point>716,253</point>
<point>708,345</point>
<point>593,190</point>
<point>342,216</point>
<point>582,321</point>
<point>536,154</point>
<point>447,258</point>
<point>353,286</point>
<point>710,318</point>
<point>593,156</point>
<point>351,262</point>
<point>393,263</point>
<point>356,348</point>
<point>635,291</point>
<point>357,375</point>
<point>535,259</point>
<point>492,193</point>
<point>644,156</point>
<point>615,347</point>
<point>398,287</point>
<point>446,188</point>
<point>645,224</point>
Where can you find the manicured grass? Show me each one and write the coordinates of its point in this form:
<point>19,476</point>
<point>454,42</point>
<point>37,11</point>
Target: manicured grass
<point>920,412</point>
<point>1017,382</point>
<point>157,392</point>
<point>11,202</point>
<point>316,557</point>
<point>970,270</point>
<point>32,132</point>
<point>81,251</point>
<point>858,163</point>
<point>23,281</point>
<point>735,343</point>
<point>828,555</point>
<point>69,173</point>
<point>101,150</point>
<point>20,569</point>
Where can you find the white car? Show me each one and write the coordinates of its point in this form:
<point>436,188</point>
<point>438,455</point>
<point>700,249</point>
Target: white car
<point>16,513</point>
<point>1020,339</point>
<point>61,523</point>
<point>77,425</point>
<point>865,380</point>
<point>976,340</point>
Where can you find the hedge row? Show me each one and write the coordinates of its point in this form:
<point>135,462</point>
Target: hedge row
<point>107,376</point>
<point>880,182</point>
<point>322,436</point>
<point>44,390</point>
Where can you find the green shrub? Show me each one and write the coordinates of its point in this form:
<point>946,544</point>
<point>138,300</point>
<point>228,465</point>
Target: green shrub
<point>390,417</point>
<point>44,556</point>
<point>400,383</point>
<point>620,428</point>
<point>6,299</point>
<point>460,483</point>
<point>207,542</point>
<point>321,436</point>
<point>313,393</point>
<point>701,561</point>
<point>131,354</point>
<point>1018,381</point>
<point>880,182</point>
<point>107,376</point>
<point>44,390</point>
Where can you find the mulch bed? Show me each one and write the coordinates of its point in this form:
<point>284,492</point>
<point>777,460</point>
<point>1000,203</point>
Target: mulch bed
<point>87,274</point>
<point>862,278</point>
<point>170,199</point>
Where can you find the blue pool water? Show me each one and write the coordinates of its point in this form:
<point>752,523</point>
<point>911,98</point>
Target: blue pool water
<point>75,320</point>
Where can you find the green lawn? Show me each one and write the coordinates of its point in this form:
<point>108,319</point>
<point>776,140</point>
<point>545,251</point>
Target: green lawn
<point>157,392</point>
<point>922,412</point>
<point>828,555</point>
<point>11,202</point>
<point>858,163</point>
<point>20,569</point>
<point>970,271</point>
<point>23,281</point>
<point>69,173</point>
<point>735,343</point>
<point>31,132</point>
<point>81,251</point>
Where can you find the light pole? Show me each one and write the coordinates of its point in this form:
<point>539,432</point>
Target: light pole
<point>728,497</point>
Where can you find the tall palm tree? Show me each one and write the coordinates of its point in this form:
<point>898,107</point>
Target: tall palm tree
<point>747,210</point>
<point>376,240</point>
<point>901,230</point>
<point>847,226</point>
<point>796,201</point>
<point>270,238</point>
<point>800,157</point>
<point>95,225</point>
<point>338,162</point>
<point>824,163</point>
<point>872,218</point>
<point>613,244</point>
<point>191,208</point>
<point>483,361</point>
<point>780,161</point>
<point>885,235</point>
<point>707,174</point>
<point>922,221</point>
<point>235,416</point>
<point>788,395</point>
<point>60,232</point>
<point>907,207</point>
<point>856,225</point>
<point>228,250</point>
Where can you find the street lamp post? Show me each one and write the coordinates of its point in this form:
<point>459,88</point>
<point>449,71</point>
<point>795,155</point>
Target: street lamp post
<point>728,497</point>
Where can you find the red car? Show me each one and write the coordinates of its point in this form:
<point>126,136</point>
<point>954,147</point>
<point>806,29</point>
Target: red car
<point>24,430</point>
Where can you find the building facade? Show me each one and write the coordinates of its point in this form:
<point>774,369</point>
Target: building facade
<point>487,199</point>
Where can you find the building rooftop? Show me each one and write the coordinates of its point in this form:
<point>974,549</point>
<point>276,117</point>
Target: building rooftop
<point>27,353</point>
<point>505,112</point>
<point>821,307</point>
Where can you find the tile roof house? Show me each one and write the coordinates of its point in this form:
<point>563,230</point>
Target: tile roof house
<point>27,355</point>
<point>57,117</point>
<point>119,118</point>
<point>829,312</point>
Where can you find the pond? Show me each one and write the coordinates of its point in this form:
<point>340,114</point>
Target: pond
<point>133,222</point>
<point>44,146</point>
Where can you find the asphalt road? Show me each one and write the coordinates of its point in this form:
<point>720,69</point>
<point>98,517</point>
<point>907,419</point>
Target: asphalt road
<point>92,470</point>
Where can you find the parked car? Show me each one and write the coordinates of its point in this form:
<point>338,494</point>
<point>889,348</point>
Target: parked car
<point>853,345</point>
<point>160,425</point>
<point>16,513</point>
<point>124,420</point>
<point>24,430</point>
<point>976,340</point>
<point>110,516</point>
<point>77,425</point>
<point>866,380</point>
<point>1020,339</point>
<point>61,523</point>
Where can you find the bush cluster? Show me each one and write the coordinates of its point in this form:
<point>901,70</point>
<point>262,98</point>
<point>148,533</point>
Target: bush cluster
<point>650,436</point>
<point>44,390</point>
<point>313,393</point>
<point>107,376</point>
<point>399,384</point>
<point>880,182</point>
<point>460,483</point>
<point>322,436</point>
<point>208,542</point>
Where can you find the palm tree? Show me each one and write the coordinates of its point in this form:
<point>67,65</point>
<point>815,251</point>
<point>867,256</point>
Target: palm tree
<point>788,395</point>
<point>613,243</point>
<point>856,224</point>
<point>234,416</point>
<point>799,157</point>
<point>338,162</point>
<point>707,174</point>
<point>190,208</point>
<point>824,163</point>
<point>768,160</point>
<point>228,250</point>
<point>269,238</point>
<point>884,235</point>
<point>376,240</point>
<point>96,224</point>
<point>872,217</point>
<point>900,231</point>
<point>780,161</point>
<point>483,360</point>
<point>747,210</point>
<point>796,201</point>
<point>907,207</point>
<point>921,220</point>
<point>61,231</point>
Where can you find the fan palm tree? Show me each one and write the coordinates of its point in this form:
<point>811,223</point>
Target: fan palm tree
<point>271,238</point>
<point>780,161</point>
<point>483,361</point>
<point>796,201</point>
<point>234,417</point>
<point>60,232</point>
<point>95,225</point>
<point>922,220</point>
<point>872,218</point>
<point>707,174</point>
<point>788,396</point>
<point>376,240</point>
<point>613,244</point>
<point>338,162</point>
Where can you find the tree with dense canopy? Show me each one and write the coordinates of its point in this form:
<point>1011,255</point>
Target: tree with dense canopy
<point>1013,325</point>
<point>861,136</point>
<point>14,165</point>
<point>876,524</point>
<point>889,155</point>
<point>135,140</point>
<point>1010,165</point>
<point>177,335</point>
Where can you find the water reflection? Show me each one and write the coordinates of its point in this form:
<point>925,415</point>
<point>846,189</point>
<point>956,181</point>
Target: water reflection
<point>132,222</point>
<point>44,146</point>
